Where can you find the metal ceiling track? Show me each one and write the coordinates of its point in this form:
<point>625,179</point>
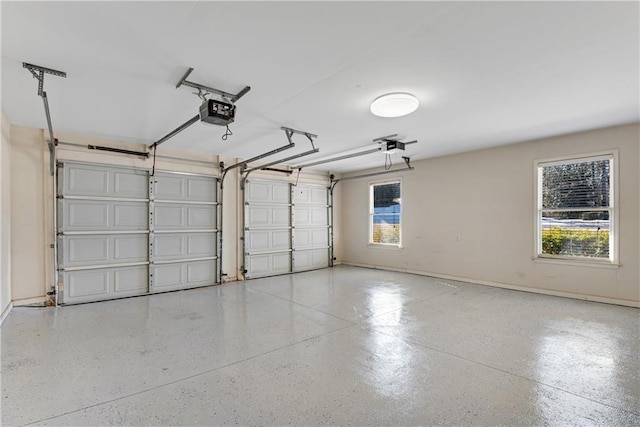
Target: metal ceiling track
<point>38,73</point>
<point>408,167</point>
<point>184,82</point>
<point>335,159</point>
<point>290,132</point>
<point>388,138</point>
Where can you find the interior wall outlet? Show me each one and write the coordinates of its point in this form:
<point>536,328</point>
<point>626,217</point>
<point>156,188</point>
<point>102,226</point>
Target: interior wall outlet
<point>458,237</point>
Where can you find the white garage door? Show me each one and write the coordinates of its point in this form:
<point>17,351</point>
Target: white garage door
<point>183,231</point>
<point>116,241</point>
<point>286,228</point>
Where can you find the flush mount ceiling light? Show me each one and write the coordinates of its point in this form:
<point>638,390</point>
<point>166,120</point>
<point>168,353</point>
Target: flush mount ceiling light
<point>395,104</point>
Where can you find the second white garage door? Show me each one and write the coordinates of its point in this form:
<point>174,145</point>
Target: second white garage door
<point>286,227</point>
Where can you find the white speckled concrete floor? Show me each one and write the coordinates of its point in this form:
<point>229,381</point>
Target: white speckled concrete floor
<point>334,346</point>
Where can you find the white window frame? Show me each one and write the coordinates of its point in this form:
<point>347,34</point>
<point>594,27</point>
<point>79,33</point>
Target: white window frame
<point>613,259</point>
<point>372,184</point>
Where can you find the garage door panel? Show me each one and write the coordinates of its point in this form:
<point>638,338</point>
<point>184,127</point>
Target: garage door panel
<point>310,259</point>
<point>269,192</point>
<point>308,194</point>
<point>130,216</point>
<point>182,187</point>
<point>103,181</point>
<point>168,247</point>
<point>281,193</point>
<point>96,250</point>
<point>131,248</point>
<point>280,217</point>
<point>310,216</point>
<point>201,189</point>
<point>84,215</point>
<point>201,217</point>
<point>85,181</point>
<point>311,238</point>
<point>170,216</point>
<point>167,277</point>
<point>257,192</point>
<point>168,187</point>
<point>86,250</point>
<point>174,276</point>
<point>131,280</point>
<point>268,264</point>
<point>267,216</point>
<point>130,184</point>
<point>201,245</point>
<point>102,284</point>
<point>268,240</point>
<point>82,284</point>
<point>200,273</point>
<point>98,215</point>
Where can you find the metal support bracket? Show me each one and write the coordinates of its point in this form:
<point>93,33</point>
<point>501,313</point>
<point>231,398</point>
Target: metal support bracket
<point>226,95</point>
<point>290,132</point>
<point>38,73</point>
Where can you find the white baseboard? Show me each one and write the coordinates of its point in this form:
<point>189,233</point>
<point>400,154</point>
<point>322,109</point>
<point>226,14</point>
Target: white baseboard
<point>594,298</point>
<point>5,313</point>
<point>30,301</point>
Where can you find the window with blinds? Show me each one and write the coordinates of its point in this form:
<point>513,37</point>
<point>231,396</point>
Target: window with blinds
<point>385,210</point>
<point>575,208</point>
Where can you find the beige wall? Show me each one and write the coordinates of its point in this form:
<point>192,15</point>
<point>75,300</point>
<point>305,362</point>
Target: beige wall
<point>5,218</point>
<point>28,253</point>
<point>442,198</point>
<point>487,197</point>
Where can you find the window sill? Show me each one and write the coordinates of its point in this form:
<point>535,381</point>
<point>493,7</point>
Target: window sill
<point>383,246</point>
<point>576,263</point>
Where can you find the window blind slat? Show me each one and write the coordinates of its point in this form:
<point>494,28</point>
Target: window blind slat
<point>576,185</point>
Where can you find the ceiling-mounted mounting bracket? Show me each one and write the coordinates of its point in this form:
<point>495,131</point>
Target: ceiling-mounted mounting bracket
<point>38,73</point>
<point>392,138</point>
<point>226,95</point>
<point>392,144</point>
<point>289,132</point>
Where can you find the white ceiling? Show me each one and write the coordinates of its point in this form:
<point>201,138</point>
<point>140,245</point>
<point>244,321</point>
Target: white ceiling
<point>486,73</point>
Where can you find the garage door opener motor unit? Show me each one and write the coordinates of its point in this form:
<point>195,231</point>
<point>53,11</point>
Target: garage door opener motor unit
<point>217,112</point>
